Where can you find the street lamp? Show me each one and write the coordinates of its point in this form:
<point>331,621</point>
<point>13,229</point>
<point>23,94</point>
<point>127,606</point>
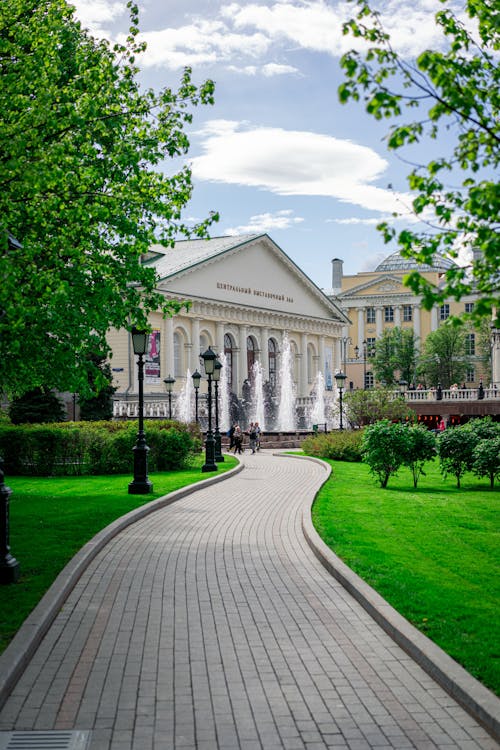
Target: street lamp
<point>196,383</point>
<point>340,378</point>
<point>209,358</point>
<point>169,384</point>
<point>140,484</point>
<point>216,376</point>
<point>9,566</point>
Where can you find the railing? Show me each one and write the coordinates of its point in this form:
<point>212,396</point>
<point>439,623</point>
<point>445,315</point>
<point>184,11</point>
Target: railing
<point>453,394</point>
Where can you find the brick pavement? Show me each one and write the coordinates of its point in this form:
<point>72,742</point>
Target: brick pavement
<point>211,624</point>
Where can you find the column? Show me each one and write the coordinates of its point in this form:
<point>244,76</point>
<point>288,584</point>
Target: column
<point>169,347</point>
<point>219,338</point>
<point>321,347</point>
<point>416,323</point>
<point>242,358</point>
<point>361,328</point>
<point>303,386</point>
<point>434,319</point>
<point>397,316</point>
<point>195,344</point>
<point>264,353</point>
<point>378,321</point>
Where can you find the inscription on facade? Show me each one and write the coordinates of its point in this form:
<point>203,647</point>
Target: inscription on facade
<point>255,292</point>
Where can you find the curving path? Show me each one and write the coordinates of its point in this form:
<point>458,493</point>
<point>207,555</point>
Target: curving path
<point>210,624</point>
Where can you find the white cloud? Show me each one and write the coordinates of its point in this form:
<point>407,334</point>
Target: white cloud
<point>267,222</point>
<point>273,69</point>
<point>94,15</point>
<point>291,162</point>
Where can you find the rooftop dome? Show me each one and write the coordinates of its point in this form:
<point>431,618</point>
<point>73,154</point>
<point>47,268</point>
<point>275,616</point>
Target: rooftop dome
<point>396,262</point>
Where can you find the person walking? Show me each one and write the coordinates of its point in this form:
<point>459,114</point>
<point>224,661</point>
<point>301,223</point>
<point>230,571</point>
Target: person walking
<point>252,437</point>
<point>258,431</point>
<point>238,439</point>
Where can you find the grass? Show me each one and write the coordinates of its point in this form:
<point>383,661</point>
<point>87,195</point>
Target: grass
<point>432,552</point>
<point>52,518</point>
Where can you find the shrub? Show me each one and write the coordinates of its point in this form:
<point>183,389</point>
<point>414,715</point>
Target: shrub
<point>420,448</point>
<point>337,446</point>
<point>486,459</point>
<point>455,447</point>
<point>385,446</point>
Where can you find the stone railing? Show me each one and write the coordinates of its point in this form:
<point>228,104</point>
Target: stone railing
<point>452,394</point>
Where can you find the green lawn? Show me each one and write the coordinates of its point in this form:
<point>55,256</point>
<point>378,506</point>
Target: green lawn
<point>52,518</point>
<point>433,553</point>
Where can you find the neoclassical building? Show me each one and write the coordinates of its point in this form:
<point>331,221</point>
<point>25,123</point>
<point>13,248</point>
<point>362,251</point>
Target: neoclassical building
<point>246,297</point>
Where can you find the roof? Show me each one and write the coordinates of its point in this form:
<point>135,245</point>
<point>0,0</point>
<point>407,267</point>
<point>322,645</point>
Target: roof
<point>188,253</point>
<point>396,262</point>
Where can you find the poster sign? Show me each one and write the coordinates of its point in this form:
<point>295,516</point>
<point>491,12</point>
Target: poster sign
<point>328,368</point>
<point>152,374</point>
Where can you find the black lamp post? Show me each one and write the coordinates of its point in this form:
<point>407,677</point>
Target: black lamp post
<point>216,376</point>
<point>169,384</point>
<point>196,382</point>
<point>439,392</point>
<point>209,358</point>
<point>9,567</point>
<point>480,390</point>
<point>140,484</point>
<point>340,378</point>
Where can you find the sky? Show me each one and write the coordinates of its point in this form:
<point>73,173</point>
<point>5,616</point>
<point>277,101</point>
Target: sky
<point>278,153</point>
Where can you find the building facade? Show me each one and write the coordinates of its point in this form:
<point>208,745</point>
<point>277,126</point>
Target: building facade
<point>246,298</point>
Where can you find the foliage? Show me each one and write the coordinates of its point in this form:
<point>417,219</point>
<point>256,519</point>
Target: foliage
<point>454,92</point>
<point>419,449</point>
<point>385,445</point>
<point>363,407</point>
<point>100,405</point>
<point>94,447</point>
<point>37,406</point>
<point>342,445</point>
<point>84,193</point>
<point>443,359</point>
<point>455,449</point>
<point>395,356</point>
<point>486,459</point>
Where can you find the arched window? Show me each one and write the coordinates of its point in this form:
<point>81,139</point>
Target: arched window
<point>203,343</point>
<point>272,350</point>
<point>250,356</point>
<point>228,351</point>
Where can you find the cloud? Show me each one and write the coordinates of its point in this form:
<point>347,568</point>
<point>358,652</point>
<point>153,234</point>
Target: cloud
<point>94,15</point>
<point>292,162</point>
<point>269,70</point>
<point>268,222</point>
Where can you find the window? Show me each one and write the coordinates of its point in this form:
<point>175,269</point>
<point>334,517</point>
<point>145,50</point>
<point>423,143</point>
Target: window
<point>370,347</point>
<point>470,344</point>
<point>369,380</point>
<point>178,355</point>
<point>370,315</point>
<point>250,357</point>
<point>388,314</point>
<point>228,351</point>
<point>272,349</point>
<point>444,312</point>
<point>407,313</point>
<point>469,307</point>
<point>470,375</point>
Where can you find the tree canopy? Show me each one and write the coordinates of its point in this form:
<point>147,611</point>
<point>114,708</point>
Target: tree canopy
<point>84,191</point>
<point>453,93</point>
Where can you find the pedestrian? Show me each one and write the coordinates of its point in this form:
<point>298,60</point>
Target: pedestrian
<point>258,431</point>
<point>230,434</point>
<point>252,436</point>
<point>238,439</point>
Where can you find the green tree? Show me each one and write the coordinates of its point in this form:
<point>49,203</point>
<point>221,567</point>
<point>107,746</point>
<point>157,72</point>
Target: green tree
<point>84,191</point>
<point>100,406</point>
<point>384,446</point>
<point>366,407</point>
<point>419,449</point>
<point>452,91</point>
<point>486,459</point>
<point>443,359</point>
<point>395,356</point>
<point>455,449</point>
<point>37,407</point>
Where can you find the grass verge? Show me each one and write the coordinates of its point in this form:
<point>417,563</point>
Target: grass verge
<point>52,518</point>
<point>433,553</point>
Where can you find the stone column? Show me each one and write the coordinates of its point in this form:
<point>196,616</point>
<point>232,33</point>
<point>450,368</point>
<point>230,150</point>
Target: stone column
<point>361,327</point>
<point>378,321</point>
<point>264,353</point>
<point>416,323</point>
<point>195,344</point>
<point>219,338</point>
<point>434,319</point>
<point>242,373</point>
<point>303,389</point>
<point>397,316</point>
<point>169,347</point>
<point>322,355</point>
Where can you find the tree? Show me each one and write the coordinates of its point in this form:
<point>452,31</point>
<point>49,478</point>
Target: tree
<point>455,449</point>
<point>419,449</point>
<point>486,459</point>
<point>395,356</point>
<point>100,406</point>
<point>383,448</point>
<point>443,359</point>
<point>83,192</point>
<point>36,407</point>
<point>455,91</point>
<point>366,407</point>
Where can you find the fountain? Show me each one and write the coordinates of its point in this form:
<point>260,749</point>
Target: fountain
<point>185,400</point>
<point>224,395</point>
<point>317,415</point>
<point>257,413</point>
<point>286,410</point>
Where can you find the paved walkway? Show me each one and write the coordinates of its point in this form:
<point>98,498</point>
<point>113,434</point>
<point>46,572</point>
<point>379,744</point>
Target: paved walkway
<point>211,624</point>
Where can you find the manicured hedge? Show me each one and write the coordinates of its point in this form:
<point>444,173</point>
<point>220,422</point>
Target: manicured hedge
<point>94,447</point>
<point>341,445</point>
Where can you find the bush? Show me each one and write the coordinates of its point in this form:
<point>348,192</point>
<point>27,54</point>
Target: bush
<point>94,447</point>
<point>337,446</point>
<point>385,447</point>
<point>455,447</point>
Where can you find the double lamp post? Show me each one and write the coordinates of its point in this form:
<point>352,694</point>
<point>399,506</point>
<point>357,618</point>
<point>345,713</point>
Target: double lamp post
<point>141,485</point>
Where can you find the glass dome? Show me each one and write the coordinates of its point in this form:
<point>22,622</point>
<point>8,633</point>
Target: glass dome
<point>396,262</point>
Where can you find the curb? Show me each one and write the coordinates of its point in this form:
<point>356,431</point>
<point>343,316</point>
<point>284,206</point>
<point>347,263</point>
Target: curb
<point>473,696</point>
<point>18,653</point>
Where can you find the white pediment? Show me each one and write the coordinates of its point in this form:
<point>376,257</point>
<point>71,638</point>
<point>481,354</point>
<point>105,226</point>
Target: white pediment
<point>378,286</point>
<point>257,274</point>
